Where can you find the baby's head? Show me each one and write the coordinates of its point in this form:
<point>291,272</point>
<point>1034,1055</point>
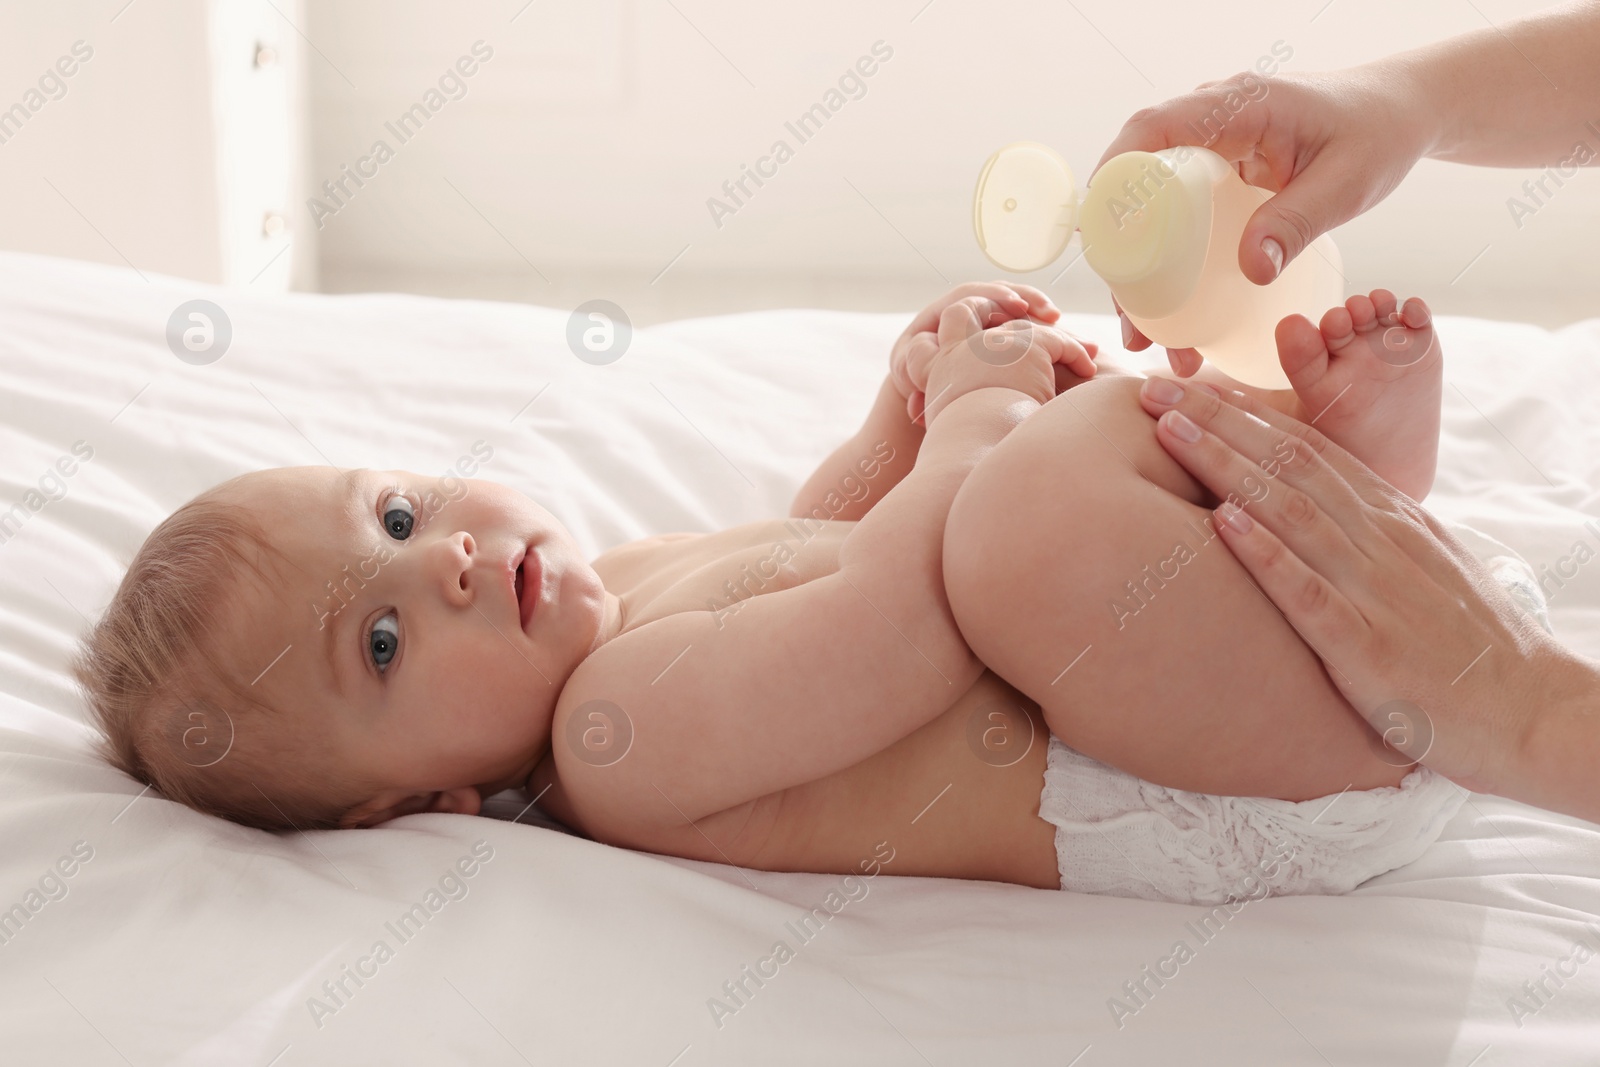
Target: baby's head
<point>305,647</point>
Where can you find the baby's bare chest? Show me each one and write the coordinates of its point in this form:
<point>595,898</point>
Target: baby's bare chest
<point>719,572</point>
<point>981,818</point>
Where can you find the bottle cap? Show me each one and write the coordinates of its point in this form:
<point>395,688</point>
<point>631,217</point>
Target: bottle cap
<point>1134,208</point>
<point>1146,224</point>
<point>1025,207</point>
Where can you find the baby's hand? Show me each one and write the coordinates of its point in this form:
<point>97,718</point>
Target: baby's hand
<point>1000,302</point>
<point>1021,355</point>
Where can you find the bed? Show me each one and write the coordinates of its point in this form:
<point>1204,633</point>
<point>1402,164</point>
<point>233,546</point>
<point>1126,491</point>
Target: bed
<point>178,938</point>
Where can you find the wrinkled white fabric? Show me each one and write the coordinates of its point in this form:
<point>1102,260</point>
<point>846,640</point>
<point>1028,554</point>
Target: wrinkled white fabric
<point>971,971</point>
<point>1119,835</point>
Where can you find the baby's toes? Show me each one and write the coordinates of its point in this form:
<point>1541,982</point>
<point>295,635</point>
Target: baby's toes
<point>1416,314</point>
<point>1383,304</point>
<point>1338,328</point>
<point>1410,339</point>
<point>1301,352</point>
<point>1362,314</point>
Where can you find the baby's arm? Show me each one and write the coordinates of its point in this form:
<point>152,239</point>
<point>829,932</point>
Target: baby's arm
<point>801,682</point>
<point>861,471</point>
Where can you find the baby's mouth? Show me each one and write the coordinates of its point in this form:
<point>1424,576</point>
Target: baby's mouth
<point>527,584</point>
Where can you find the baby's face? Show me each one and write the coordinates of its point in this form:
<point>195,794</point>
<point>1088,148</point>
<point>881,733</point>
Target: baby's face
<point>402,631</point>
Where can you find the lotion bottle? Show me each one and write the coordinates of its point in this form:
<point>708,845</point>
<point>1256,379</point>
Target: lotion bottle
<point>1163,229</point>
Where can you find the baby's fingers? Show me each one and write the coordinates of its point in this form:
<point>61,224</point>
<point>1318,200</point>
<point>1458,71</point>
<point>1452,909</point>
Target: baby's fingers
<point>916,405</point>
<point>919,358</point>
<point>1015,299</point>
<point>1009,342</point>
<point>1012,300</point>
<point>1064,349</point>
<point>967,316</point>
<point>1040,306</point>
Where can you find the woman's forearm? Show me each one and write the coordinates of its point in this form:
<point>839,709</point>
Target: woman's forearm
<point>861,471</point>
<point>1525,93</point>
<point>1557,764</point>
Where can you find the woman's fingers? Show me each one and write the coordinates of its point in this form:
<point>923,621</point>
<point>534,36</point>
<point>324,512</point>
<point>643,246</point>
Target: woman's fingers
<point>1329,191</point>
<point>1247,423</point>
<point>1325,618</point>
<point>1284,479</point>
<point>1330,145</point>
<point>1301,557</point>
<point>1185,362</point>
<point>1132,339</point>
<point>1396,607</point>
<point>1175,121</point>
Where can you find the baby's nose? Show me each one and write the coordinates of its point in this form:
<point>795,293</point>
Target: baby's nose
<point>456,560</point>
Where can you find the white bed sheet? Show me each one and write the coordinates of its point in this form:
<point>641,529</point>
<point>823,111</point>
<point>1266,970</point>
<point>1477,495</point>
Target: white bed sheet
<point>188,940</point>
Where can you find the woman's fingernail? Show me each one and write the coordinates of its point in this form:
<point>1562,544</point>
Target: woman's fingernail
<point>1234,516</point>
<point>1181,427</point>
<point>1274,252</point>
<point>1127,331</point>
<point>1162,390</point>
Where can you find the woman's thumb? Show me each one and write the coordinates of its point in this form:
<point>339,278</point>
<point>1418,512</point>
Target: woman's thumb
<point>1314,202</point>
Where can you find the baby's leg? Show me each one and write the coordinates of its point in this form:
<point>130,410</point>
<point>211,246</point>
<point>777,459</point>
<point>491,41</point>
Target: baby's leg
<point>1370,376</point>
<point>1081,567</point>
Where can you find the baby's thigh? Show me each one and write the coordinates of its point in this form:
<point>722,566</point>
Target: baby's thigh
<point>1082,567</point>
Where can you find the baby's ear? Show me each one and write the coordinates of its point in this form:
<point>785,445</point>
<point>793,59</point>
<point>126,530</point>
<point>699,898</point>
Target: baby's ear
<point>395,803</point>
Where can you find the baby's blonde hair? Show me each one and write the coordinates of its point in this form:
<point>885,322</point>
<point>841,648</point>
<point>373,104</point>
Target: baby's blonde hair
<point>172,714</point>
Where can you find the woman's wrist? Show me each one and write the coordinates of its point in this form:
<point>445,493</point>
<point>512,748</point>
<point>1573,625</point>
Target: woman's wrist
<point>1554,738</point>
<point>1416,85</point>
<point>1516,95</point>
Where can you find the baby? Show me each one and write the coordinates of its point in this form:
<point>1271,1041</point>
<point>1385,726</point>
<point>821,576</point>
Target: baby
<point>1020,567</point>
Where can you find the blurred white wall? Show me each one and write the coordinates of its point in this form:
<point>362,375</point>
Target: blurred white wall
<point>159,135</point>
<point>577,158</point>
<point>580,159</point>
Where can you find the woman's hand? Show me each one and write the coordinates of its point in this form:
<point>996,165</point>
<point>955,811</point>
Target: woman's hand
<point>1416,633</point>
<point>992,302</point>
<point>1329,145</point>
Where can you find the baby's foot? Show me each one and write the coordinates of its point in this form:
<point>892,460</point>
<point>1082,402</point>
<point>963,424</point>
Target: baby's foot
<point>1371,379</point>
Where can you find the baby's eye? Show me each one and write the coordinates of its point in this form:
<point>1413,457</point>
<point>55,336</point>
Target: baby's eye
<point>383,639</point>
<point>398,516</point>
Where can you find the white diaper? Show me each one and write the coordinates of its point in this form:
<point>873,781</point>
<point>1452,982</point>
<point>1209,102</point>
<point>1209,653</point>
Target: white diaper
<point>1122,836</point>
<point>1119,835</point>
